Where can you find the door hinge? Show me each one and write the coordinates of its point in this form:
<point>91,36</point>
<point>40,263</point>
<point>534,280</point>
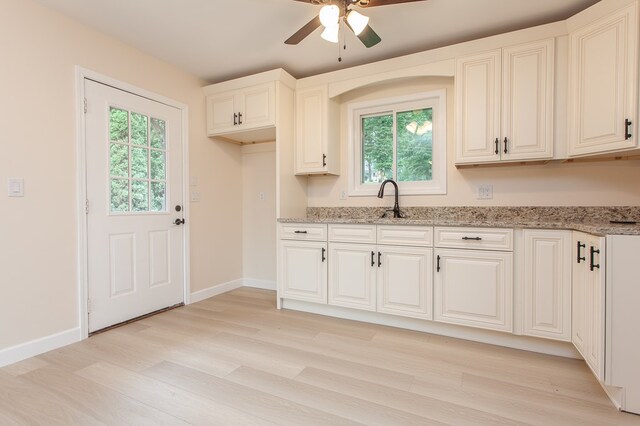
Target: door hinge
<point>85,105</point>
<point>86,206</point>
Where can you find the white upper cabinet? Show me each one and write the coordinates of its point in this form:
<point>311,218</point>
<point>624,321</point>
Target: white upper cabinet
<point>505,104</point>
<point>317,138</point>
<point>603,75</point>
<point>241,110</point>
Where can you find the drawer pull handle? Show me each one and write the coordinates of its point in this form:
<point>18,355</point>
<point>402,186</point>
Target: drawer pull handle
<point>300,232</point>
<point>438,264</point>
<point>592,252</point>
<point>472,238</point>
<point>379,259</point>
<point>323,254</point>
<point>373,260</point>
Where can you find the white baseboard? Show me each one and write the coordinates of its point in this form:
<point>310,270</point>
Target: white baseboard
<point>263,284</point>
<point>231,285</point>
<point>215,290</point>
<point>39,346</point>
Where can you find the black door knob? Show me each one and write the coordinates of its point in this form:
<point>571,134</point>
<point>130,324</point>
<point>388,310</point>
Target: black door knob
<point>178,208</point>
<point>179,221</point>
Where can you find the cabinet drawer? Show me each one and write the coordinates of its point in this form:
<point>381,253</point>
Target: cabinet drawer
<point>303,231</point>
<point>352,233</point>
<point>475,238</point>
<point>401,235</point>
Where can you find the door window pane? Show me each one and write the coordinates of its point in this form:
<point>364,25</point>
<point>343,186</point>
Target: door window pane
<point>139,163</point>
<point>158,165</point>
<point>119,195</point>
<point>415,145</point>
<point>158,133</point>
<point>140,196</point>
<point>119,160</point>
<point>377,148</point>
<point>118,125</point>
<point>139,129</point>
<point>158,197</point>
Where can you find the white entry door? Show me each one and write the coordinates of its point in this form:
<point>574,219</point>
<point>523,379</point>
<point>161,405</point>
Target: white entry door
<point>134,194</point>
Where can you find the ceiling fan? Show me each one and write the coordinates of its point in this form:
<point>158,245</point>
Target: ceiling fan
<point>331,13</point>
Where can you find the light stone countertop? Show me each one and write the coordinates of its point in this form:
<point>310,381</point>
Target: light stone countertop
<point>596,228</point>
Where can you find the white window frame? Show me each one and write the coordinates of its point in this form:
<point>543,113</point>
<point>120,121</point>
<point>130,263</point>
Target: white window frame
<point>437,100</point>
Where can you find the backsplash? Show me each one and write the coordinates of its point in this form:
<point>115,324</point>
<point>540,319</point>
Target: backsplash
<point>544,214</point>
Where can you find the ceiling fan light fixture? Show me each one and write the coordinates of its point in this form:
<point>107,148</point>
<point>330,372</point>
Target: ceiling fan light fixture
<point>357,21</point>
<point>329,15</point>
<point>331,33</point>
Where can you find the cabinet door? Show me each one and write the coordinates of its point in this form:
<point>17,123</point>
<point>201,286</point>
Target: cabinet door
<point>474,288</point>
<point>527,101</point>
<point>547,284</point>
<point>477,83</point>
<point>311,147</point>
<point>352,275</point>
<point>603,75</point>
<point>405,281</point>
<point>595,305</point>
<point>303,273</point>
<point>257,106</point>
<point>220,114</point>
<point>579,331</point>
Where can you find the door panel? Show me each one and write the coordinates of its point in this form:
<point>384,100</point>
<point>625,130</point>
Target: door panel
<point>352,276</point>
<point>304,272</point>
<point>474,288</point>
<point>134,180</point>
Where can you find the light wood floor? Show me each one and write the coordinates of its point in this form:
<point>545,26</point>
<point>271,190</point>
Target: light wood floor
<point>235,359</point>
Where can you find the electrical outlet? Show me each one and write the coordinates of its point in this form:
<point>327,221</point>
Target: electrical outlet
<point>485,192</point>
<point>195,196</point>
<point>343,195</point>
<point>262,196</point>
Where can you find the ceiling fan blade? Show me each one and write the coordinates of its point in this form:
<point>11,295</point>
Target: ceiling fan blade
<point>368,37</point>
<point>374,3</point>
<point>303,32</point>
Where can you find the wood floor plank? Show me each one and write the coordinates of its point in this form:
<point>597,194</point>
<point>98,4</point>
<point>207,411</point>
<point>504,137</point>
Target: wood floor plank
<point>26,403</point>
<point>266,405</point>
<point>435,409</point>
<point>310,358</point>
<point>101,403</point>
<point>185,405</point>
<point>356,409</point>
<point>235,359</point>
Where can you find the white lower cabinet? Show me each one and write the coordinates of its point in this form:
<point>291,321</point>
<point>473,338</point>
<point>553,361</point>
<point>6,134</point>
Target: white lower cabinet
<point>474,288</point>
<point>303,270</point>
<point>588,317</point>
<point>547,284</point>
<point>352,275</point>
<point>405,284</point>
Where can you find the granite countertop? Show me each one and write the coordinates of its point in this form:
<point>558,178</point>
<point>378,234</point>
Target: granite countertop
<point>592,220</point>
<point>591,228</point>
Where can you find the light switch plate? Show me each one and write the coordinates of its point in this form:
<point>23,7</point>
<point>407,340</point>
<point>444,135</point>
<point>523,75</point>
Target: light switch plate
<point>195,196</point>
<point>16,187</point>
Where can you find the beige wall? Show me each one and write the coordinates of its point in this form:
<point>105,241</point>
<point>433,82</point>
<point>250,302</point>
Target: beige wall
<point>38,233</point>
<point>584,184</point>
<point>259,215</point>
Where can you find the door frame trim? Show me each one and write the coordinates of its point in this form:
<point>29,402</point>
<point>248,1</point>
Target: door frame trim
<point>81,186</point>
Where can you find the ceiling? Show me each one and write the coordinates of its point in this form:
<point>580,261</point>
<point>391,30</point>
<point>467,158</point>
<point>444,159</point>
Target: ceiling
<point>221,39</point>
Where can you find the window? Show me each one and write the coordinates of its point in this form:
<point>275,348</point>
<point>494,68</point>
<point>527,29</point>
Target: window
<point>137,162</point>
<point>403,139</point>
